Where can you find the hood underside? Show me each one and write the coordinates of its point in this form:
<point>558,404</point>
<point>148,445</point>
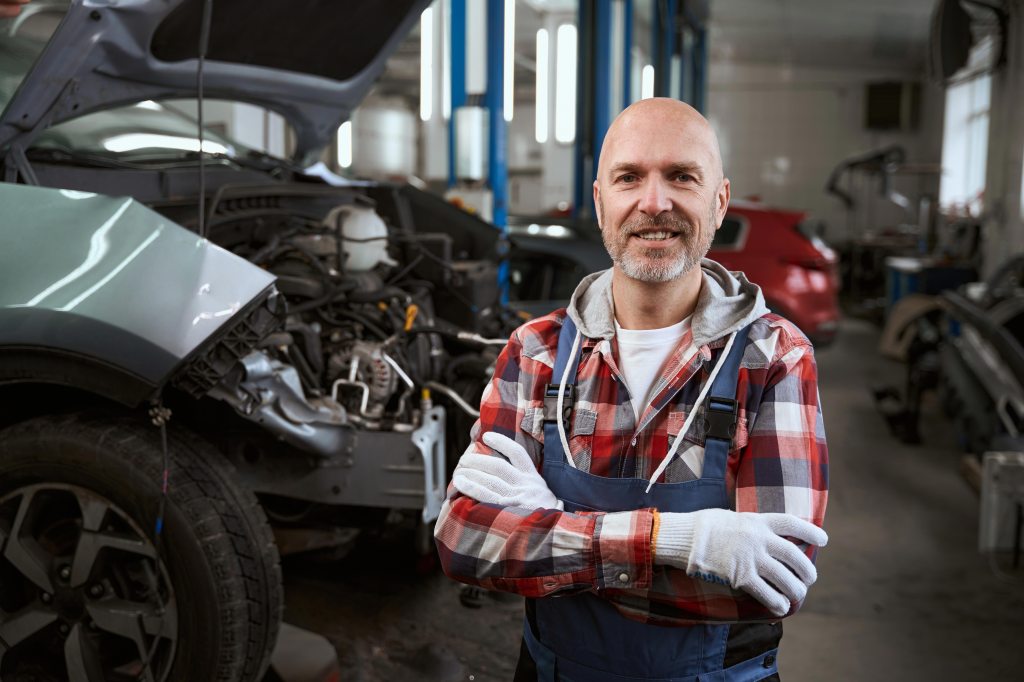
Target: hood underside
<point>312,61</point>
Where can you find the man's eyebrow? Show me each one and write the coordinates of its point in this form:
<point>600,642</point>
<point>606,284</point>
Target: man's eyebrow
<point>694,169</point>
<point>624,167</point>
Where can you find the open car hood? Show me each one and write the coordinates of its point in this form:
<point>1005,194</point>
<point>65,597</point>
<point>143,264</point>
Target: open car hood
<point>312,61</point>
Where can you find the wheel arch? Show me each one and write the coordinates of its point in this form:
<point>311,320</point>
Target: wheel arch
<point>40,365</point>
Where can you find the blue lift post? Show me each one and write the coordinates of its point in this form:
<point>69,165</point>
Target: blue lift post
<point>663,32</point>
<point>579,147</point>
<point>497,134</point>
<point>685,48</point>
<point>593,98</point>
<point>699,69</point>
<point>627,53</point>
<point>457,62</point>
<point>602,80</point>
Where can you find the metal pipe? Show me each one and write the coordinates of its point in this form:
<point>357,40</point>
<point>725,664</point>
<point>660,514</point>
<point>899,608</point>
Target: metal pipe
<point>365,389</point>
<point>394,365</point>
<point>456,398</point>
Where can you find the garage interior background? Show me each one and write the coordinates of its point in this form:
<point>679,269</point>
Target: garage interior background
<point>787,84</point>
<point>896,128</point>
<point>786,88</point>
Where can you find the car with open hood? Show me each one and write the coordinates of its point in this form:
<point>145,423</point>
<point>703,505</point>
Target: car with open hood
<point>208,356</point>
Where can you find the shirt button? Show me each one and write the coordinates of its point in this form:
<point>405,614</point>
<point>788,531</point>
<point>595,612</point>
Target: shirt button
<point>769,661</point>
<point>623,577</point>
<point>633,442</point>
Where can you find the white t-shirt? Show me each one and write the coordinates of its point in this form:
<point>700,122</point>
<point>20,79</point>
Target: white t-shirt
<point>642,354</point>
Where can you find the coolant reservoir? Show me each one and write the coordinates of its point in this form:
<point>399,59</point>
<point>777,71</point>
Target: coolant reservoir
<point>364,237</point>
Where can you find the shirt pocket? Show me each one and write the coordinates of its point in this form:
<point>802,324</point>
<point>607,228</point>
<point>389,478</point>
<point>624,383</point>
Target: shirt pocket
<point>695,434</point>
<point>581,437</point>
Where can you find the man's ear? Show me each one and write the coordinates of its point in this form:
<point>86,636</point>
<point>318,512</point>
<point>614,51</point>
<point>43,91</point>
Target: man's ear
<point>722,202</point>
<point>597,203</point>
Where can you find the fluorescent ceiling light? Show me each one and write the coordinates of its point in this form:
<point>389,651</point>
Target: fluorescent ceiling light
<point>427,64</point>
<point>647,82</point>
<point>132,141</point>
<point>446,59</point>
<point>542,86</point>
<point>345,144</point>
<point>510,52</point>
<point>565,84</point>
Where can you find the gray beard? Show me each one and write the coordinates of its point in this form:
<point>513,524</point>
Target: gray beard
<point>653,265</point>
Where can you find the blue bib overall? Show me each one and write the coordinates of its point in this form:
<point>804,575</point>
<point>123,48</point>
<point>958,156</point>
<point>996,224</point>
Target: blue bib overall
<point>583,638</point>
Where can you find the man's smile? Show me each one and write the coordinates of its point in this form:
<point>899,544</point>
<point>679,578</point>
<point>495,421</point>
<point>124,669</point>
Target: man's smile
<point>656,236</point>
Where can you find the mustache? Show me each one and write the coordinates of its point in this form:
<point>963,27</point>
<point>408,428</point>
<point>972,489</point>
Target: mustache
<point>668,221</point>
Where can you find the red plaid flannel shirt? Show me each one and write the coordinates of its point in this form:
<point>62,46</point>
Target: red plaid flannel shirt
<point>778,463</point>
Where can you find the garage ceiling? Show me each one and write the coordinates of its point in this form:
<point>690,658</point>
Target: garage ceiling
<point>827,33</point>
<point>870,34</point>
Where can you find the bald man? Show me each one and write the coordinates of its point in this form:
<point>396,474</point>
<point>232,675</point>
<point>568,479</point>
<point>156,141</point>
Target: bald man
<point>649,468</point>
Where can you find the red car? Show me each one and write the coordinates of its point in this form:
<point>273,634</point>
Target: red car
<point>796,270</point>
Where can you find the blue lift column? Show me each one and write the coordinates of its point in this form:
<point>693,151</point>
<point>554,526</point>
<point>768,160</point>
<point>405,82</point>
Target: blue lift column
<point>494,100</point>
<point>663,43</point>
<point>602,82</point>
<point>627,53</point>
<point>593,99</point>
<point>457,63</point>
<point>497,135</point>
<point>699,69</point>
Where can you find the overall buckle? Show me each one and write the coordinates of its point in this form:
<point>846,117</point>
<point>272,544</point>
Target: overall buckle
<point>551,403</point>
<point>720,418</point>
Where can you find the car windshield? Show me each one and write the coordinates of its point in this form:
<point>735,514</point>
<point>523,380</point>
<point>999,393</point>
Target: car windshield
<point>147,131</point>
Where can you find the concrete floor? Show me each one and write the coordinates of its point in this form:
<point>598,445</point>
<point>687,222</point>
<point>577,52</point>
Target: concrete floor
<point>902,594</point>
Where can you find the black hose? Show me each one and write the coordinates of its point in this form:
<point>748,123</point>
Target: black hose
<point>353,317</point>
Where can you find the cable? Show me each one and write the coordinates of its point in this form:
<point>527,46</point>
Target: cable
<point>159,415</point>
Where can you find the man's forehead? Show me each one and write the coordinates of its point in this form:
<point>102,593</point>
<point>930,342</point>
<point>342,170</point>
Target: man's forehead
<point>659,132</point>
<point>669,150</point>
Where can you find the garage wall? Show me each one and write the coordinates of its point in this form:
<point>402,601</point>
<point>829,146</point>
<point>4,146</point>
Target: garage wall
<point>784,128</point>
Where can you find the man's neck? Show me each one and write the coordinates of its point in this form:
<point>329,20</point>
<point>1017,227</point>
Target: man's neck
<point>654,305</point>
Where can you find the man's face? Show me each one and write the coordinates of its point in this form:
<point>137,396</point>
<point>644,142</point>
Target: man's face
<point>660,194</point>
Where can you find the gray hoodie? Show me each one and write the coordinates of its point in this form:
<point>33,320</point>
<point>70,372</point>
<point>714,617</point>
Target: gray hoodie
<point>728,301</point>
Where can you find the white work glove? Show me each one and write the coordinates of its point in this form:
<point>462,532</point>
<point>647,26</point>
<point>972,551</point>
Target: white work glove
<point>515,483</point>
<point>744,550</point>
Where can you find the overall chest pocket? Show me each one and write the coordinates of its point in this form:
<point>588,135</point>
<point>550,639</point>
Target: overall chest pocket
<point>688,464</point>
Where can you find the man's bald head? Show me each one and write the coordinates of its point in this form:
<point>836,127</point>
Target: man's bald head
<point>659,118</point>
<point>660,192</point>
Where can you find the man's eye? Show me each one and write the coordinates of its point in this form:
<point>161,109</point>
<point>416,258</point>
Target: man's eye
<point>684,177</point>
<point>628,177</point>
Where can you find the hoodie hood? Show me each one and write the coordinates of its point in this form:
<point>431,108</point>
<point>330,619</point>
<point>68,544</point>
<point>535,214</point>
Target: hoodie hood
<point>727,302</point>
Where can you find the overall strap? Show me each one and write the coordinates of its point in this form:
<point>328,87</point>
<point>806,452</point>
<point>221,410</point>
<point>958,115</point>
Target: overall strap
<point>720,415</point>
<point>553,449</point>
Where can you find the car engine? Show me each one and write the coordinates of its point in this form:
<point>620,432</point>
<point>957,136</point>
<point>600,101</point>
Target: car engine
<point>354,362</point>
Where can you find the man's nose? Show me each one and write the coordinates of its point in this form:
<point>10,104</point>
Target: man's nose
<point>655,198</point>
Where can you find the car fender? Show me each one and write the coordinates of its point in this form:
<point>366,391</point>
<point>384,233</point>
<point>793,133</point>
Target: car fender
<point>104,294</point>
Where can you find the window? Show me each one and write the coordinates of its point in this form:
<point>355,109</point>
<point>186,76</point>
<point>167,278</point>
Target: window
<point>543,277</point>
<point>730,235</point>
<point>965,146</point>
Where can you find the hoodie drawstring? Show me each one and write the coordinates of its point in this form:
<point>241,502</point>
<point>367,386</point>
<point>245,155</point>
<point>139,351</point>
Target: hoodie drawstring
<point>689,419</point>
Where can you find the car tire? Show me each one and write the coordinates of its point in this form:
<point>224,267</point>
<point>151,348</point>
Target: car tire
<point>81,559</point>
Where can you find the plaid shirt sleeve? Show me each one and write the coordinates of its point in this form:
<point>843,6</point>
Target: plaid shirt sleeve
<point>781,468</point>
<point>535,552</point>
